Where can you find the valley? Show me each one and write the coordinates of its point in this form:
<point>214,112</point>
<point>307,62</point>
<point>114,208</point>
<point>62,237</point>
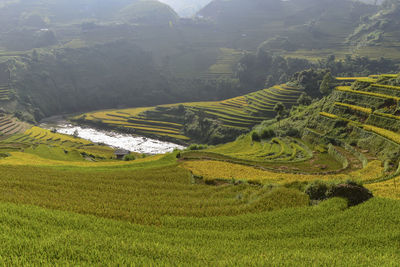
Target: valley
<point>200,133</point>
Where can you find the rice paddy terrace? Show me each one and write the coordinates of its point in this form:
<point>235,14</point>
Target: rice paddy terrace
<point>10,126</point>
<point>5,93</point>
<point>225,64</point>
<point>369,107</point>
<point>363,115</point>
<point>49,145</point>
<point>237,114</point>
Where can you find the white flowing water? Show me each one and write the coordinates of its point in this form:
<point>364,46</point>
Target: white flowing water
<point>132,143</point>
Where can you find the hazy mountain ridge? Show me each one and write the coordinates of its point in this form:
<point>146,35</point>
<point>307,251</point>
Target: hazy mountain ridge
<point>381,28</point>
<point>192,59</point>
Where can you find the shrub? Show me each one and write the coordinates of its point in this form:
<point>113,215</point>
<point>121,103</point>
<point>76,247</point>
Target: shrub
<point>255,137</point>
<point>293,132</point>
<point>129,157</point>
<point>197,147</point>
<point>353,192</point>
<point>4,155</point>
<point>267,133</point>
<point>317,190</point>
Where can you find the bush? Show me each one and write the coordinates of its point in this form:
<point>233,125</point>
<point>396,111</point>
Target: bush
<point>197,147</point>
<point>255,137</point>
<point>317,190</point>
<point>267,133</point>
<point>129,157</point>
<point>293,132</point>
<point>4,155</point>
<point>353,192</point>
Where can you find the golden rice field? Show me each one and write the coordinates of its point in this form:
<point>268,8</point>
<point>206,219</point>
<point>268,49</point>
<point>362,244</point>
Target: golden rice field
<point>212,170</point>
<point>28,159</point>
<point>47,135</point>
<point>383,132</point>
<point>329,115</point>
<point>354,107</point>
<point>386,86</point>
<point>386,189</point>
<point>348,90</point>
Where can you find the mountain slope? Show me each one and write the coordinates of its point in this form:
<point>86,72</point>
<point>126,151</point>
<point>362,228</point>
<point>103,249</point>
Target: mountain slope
<point>380,32</point>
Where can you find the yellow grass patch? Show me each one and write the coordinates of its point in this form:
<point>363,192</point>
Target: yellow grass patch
<point>329,115</point>
<point>211,170</point>
<point>353,107</point>
<point>386,189</point>
<point>347,89</point>
<point>383,132</point>
<point>47,134</point>
<point>26,159</point>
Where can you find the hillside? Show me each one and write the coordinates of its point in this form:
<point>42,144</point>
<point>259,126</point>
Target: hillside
<point>98,50</point>
<point>305,24</point>
<point>281,119</point>
<point>379,34</point>
<point>203,122</point>
<point>251,190</point>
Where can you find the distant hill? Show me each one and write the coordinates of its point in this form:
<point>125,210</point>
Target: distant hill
<point>148,12</point>
<point>146,53</point>
<point>380,32</point>
<point>305,23</point>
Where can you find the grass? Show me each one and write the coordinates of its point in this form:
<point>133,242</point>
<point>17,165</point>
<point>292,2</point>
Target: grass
<point>212,170</point>
<point>387,189</point>
<point>142,192</point>
<point>355,107</point>
<point>386,86</point>
<point>277,155</point>
<point>347,89</point>
<point>363,235</point>
<point>395,137</point>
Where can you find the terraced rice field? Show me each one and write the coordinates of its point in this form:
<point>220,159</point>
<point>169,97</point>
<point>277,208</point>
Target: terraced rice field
<point>5,92</point>
<point>212,170</point>
<point>370,109</point>
<point>167,121</point>
<point>59,208</point>
<point>225,64</point>
<point>10,125</point>
<point>374,91</point>
<point>273,156</point>
<point>275,149</point>
<point>49,145</point>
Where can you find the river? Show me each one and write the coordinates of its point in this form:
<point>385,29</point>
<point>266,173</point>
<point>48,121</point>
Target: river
<point>132,143</point>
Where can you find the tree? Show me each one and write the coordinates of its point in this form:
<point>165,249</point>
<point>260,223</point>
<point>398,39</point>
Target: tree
<point>280,110</point>
<point>35,55</point>
<point>327,85</point>
<point>304,100</point>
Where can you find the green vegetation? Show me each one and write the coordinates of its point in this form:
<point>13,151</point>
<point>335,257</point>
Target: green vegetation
<point>362,235</point>
<point>281,151</point>
<point>264,179</point>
